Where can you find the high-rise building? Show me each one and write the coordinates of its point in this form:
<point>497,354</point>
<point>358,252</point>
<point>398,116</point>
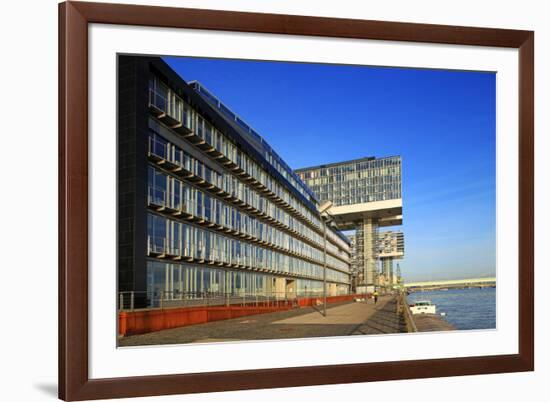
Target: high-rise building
<point>366,195</point>
<point>205,205</point>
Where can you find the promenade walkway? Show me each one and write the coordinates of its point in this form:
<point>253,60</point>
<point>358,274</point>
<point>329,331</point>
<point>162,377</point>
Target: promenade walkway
<point>431,322</point>
<point>348,318</point>
<point>383,321</point>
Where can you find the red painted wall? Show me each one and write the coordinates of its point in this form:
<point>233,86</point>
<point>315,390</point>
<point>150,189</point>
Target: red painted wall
<point>144,321</point>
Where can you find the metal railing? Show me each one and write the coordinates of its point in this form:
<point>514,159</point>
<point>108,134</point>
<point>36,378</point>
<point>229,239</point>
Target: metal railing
<point>156,245</point>
<point>157,100</point>
<point>158,148</point>
<point>170,104</point>
<point>403,308</point>
<point>157,196</point>
<point>138,300</point>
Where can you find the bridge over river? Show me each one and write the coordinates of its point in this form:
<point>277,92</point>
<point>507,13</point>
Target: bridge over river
<point>452,284</point>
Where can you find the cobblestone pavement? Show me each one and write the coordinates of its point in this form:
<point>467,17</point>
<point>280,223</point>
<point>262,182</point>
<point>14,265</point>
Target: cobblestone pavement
<point>349,318</point>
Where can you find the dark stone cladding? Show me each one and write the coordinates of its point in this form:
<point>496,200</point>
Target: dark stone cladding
<point>132,129</point>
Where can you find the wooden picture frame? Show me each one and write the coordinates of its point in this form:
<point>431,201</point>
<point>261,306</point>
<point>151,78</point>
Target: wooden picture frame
<point>74,381</point>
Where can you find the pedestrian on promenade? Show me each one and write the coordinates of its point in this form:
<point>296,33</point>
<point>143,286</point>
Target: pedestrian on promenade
<point>375,297</point>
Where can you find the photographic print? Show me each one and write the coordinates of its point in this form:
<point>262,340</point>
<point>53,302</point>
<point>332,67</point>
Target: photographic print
<point>233,182</point>
<point>275,200</point>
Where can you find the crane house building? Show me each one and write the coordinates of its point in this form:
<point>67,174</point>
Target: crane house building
<point>206,207</point>
<point>366,194</point>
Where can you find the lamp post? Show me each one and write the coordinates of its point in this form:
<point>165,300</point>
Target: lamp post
<point>324,268</point>
<point>322,209</point>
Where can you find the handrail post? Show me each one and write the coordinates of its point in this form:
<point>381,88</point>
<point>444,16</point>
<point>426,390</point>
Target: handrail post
<point>324,267</point>
<point>409,321</point>
<point>399,308</point>
<point>132,301</point>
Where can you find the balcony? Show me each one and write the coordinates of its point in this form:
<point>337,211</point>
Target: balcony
<point>156,246</point>
<point>170,110</point>
<point>173,252</point>
<point>157,103</point>
<point>158,153</point>
<point>157,199</point>
<point>187,254</point>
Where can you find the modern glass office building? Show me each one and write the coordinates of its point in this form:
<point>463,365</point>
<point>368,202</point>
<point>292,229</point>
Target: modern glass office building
<point>206,206</point>
<point>356,181</point>
<point>366,195</point>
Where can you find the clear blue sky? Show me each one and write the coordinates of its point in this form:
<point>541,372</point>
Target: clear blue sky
<point>442,123</point>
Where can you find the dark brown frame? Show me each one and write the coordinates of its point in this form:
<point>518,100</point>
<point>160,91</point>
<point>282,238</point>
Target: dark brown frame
<point>74,17</point>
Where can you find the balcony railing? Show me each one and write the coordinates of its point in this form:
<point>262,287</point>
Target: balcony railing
<point>157,197</point>
<point>161,151</point>
<point>160,246</point>
<point>157,148</point>
<point>156,245</point>
<point>157,100</point>
<point>168,106</point>
<point>135,300</point>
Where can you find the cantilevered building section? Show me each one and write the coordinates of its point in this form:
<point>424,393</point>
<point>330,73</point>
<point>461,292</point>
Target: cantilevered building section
<point>366,195</point>
<point>206,207</point>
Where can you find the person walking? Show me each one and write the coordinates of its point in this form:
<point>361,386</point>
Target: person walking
<point>375,294</point>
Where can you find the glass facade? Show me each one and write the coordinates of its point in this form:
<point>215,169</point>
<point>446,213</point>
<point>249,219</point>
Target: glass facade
<point>170,191</point>
<point>165,100</point>
<point>219,222</point>
<point>174,281</point>
<point>168,237</point>
<point>268,153</point>
<point>356,182</point>
<point>391,242</point>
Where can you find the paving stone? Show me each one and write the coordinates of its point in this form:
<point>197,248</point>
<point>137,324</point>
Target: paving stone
<point>348,318</point>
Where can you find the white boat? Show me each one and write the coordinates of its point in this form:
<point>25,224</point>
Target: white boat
<point>422,307</point>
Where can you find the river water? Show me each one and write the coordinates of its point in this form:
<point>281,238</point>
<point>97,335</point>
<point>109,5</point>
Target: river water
<point>464,308</point>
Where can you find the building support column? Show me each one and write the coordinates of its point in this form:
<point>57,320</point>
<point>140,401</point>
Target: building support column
<point>387,271</point>
<point>370,237</point>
